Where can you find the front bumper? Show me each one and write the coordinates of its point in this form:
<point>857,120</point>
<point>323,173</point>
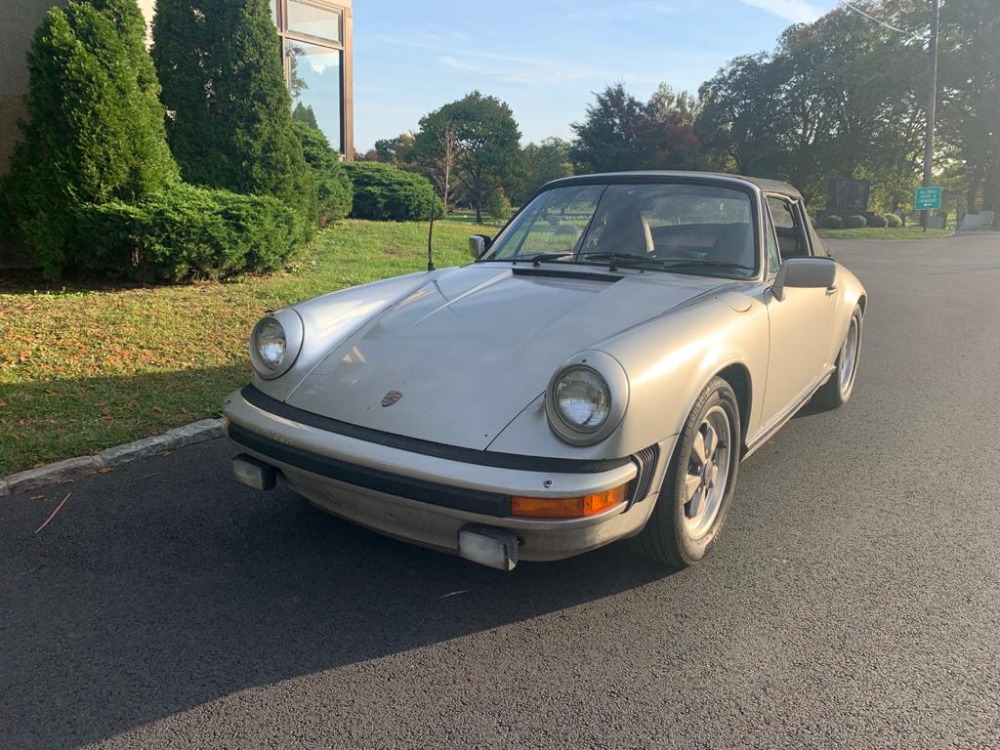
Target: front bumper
<point>423,496</point>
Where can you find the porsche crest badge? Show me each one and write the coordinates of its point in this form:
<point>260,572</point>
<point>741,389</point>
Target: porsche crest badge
<point>391,397</point>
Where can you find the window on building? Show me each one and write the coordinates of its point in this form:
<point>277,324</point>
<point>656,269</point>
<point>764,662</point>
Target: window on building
<point>315,41</point>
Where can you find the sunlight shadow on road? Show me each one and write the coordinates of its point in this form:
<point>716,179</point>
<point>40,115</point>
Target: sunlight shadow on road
<point>168,585</point>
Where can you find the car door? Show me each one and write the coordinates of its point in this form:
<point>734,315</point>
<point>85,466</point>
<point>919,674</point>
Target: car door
<point>801,323</point>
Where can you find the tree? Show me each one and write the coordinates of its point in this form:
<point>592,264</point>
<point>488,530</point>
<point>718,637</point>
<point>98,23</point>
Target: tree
<point>970,97</point>
<point>737,123</point>
<point>608,139</point>
<point>439,161</point>
<point>853,98</point>
<point>305,114</point>
<point>95,131</point>
<point>486,138</point>
<point>546,161</point>
<point>334,193</point>
<point>621,133</point>
<point>396,151</point>
<point>840,97</point>
<point>230,120</point>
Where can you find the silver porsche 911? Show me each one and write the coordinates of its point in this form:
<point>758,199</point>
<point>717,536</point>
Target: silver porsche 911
<point>597,373</point>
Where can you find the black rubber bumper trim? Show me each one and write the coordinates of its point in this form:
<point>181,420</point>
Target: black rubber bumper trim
<point>432,493</point>
<point>428,448</point>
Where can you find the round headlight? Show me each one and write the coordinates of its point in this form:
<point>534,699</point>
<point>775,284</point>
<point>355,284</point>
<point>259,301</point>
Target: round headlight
<point>270,343</point>
<point>582,399</point>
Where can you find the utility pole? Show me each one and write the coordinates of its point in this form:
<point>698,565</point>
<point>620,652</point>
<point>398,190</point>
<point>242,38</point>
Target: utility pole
<point>932,66</point>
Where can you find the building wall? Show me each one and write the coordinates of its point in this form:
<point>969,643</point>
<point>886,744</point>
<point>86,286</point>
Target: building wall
<point>18,21</point>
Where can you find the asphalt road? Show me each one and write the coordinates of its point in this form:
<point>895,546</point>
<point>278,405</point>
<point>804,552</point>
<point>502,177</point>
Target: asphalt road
<point>853,602</point>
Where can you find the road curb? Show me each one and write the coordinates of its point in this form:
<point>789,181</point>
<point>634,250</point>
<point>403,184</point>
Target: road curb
<point>73,468</point>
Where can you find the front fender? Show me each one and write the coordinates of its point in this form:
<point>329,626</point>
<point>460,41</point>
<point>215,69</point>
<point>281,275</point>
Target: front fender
<point>668,362</point>
<point>330,319</point>
<point>851,292</point>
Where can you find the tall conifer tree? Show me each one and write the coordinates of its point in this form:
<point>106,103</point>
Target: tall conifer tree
<point>229,112</point>
<point>95,130</point>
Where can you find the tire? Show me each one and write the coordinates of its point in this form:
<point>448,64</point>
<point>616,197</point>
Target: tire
<point>695,495</point>
<point>837,391</point>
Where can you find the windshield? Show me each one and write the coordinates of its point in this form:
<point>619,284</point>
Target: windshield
<point>678,227</point>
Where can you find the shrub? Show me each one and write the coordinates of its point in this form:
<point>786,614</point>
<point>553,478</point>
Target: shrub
<point>499,207</point>
<point>893,221</point>
<point>220,65</point>
<point>855,222</point>
<point>833,222</point>
<point>334,192</point>
<point>185,233</point>
<point>96,129</point>
<point>384,193</point>
<point>877,221</point>
<point>7,218</point>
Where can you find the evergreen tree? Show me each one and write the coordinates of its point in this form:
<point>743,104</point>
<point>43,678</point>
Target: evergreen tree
<point>334,193</point>
<point>230,119</point>
<point>305,114</point>
<point>94,133</point>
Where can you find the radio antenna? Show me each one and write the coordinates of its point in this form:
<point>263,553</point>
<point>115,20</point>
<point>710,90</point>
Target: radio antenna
<point>430,239</point>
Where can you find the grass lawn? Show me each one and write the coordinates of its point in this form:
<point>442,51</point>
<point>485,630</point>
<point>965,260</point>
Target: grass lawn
<point>882,233</point>
<point>85,369</point>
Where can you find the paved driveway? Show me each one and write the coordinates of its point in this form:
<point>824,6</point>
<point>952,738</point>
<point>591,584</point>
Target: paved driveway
<point>853,602</point>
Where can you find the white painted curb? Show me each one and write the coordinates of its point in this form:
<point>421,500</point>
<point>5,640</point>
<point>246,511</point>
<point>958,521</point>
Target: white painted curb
<point>71,468</point>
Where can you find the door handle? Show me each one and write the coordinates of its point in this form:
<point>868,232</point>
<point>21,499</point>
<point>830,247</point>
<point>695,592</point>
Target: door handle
<point>832,289</point>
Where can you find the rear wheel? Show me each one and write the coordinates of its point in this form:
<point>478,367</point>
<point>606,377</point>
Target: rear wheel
<point>699,484</point>
<point>836,391</point>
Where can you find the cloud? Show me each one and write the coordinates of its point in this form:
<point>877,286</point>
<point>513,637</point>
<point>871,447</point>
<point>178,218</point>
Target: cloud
<point>631,10</point>
<point>519,70</point>
<point>795,11</point>
<point>508,68</point>
<point>320,65</point>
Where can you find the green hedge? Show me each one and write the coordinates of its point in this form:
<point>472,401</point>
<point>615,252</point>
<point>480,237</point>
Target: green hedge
<point>893,221</point>
<point>334,192</point>
<point>875,220</point>
<point>856,222</point>
<point>833,222</point>
<point>384,193</point>
<point>185,233</point>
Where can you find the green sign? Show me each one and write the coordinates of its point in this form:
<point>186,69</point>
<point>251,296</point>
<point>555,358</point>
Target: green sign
<point>927,199</point>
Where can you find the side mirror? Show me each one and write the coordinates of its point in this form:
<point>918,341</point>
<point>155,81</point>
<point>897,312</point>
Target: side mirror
<point>478,245</point>
<point>804,273</point>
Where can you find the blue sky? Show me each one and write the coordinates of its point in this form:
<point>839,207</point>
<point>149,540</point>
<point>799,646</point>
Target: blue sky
<point>545,58</point>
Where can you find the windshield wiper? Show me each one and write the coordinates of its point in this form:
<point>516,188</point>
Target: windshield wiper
<point>706,262</point>
<point>537,260</point>
<point>625,260</point>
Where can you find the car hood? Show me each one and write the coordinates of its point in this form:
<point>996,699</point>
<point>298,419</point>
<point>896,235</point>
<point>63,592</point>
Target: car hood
<point>471,348</point>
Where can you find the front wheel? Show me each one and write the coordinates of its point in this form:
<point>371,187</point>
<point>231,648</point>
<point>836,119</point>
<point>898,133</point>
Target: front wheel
<point>836,391</point>
<point>699,484</point>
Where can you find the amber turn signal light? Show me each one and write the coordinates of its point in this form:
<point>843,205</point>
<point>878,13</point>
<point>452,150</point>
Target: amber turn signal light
<point>567,507</point>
